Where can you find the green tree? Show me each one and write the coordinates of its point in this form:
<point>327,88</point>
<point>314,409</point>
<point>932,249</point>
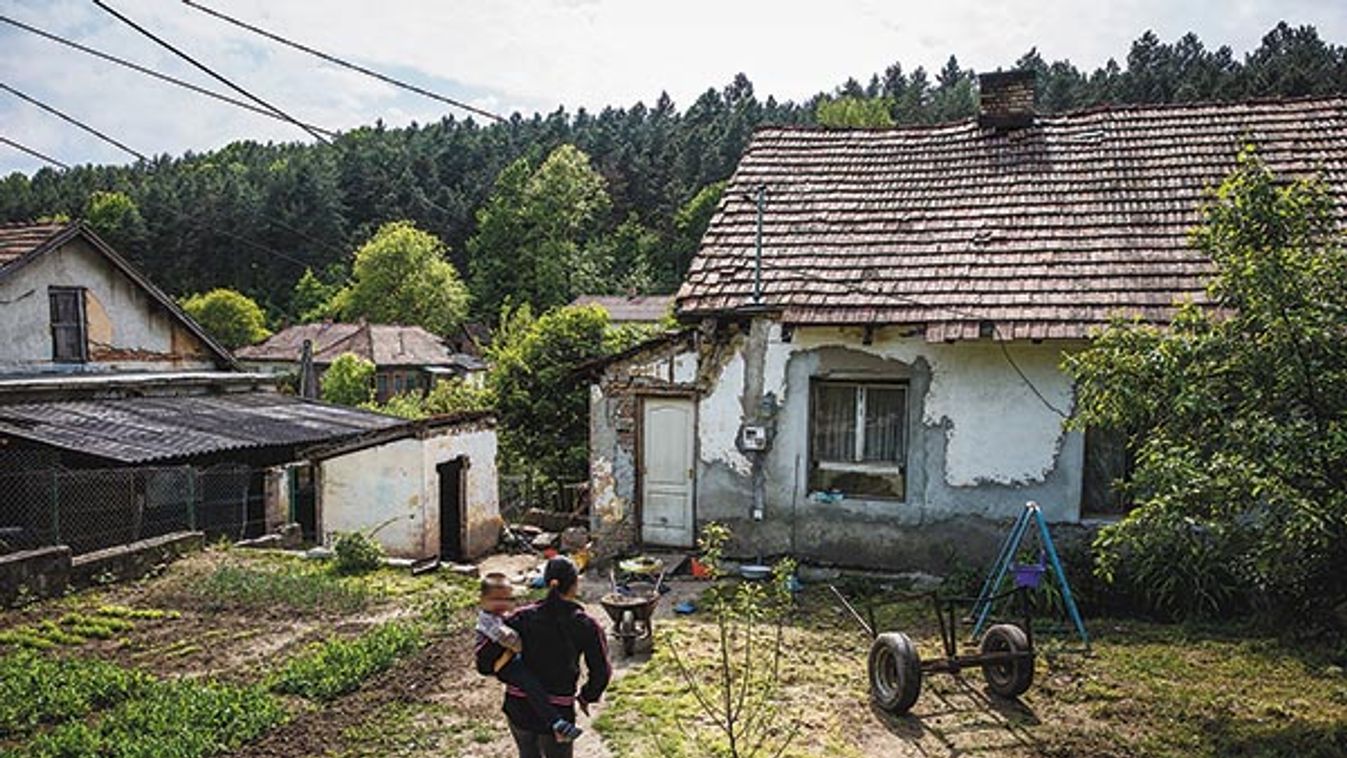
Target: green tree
<point>402,276</point>
<point>541,403</point>
<point>849,112</point>
<point>690,224</point>
<point>1238,418</point>
<point>447,396</point>
<point>312,298</point>
<point>535,235</point>
<point>231,317</point>
<point>348,380</point>
<point>115,218</point>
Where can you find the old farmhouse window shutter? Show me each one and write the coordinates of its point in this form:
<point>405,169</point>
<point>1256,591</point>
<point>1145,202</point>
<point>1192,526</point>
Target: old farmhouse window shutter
<point>69,341</point>
<point>859,439</point>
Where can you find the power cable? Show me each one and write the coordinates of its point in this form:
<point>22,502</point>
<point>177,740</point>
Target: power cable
<point>344,63</point>
<point>209,71</point>
<point>74,122</point>
<point>25,149</point>
<point>152,73</point>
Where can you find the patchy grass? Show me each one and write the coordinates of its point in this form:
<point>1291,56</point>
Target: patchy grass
<point>338,666</point>
<point>295,588</point>
<point>37,689</point>
<point>181,719</point>
<point>404,728</point>
<point>1146,689</point>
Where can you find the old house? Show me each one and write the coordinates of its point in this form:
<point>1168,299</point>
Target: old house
<point>72,304</point>
<point>874,378</point>
<point>405,358</point>
<point>121,419</point>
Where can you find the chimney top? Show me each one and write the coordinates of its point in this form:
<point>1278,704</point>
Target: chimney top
<point>1007,99</point>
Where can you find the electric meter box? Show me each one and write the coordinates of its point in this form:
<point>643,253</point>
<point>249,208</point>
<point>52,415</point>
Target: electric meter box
<point>754,437</point>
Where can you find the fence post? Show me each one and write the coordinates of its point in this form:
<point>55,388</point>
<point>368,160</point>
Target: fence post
<point>55,507</point>
<point>191,498</point>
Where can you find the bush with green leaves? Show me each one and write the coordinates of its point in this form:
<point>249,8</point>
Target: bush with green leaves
<point>357,553</point>
<point>230,316</point>
<point>349,380</point>
<point>38,689</point>
<point>187,718</point>
<point>337,666</point>
<point>1237,417</point>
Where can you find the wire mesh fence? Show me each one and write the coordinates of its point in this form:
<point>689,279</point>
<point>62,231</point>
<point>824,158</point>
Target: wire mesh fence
<point>518,493</point>
<point>93,509</point>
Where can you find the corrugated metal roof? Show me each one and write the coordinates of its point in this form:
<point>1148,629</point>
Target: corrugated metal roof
<point>1046,231</point>
<point>139,430</point>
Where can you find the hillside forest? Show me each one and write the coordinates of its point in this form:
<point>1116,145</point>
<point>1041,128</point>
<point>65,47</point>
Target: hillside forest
<point>541,208</point>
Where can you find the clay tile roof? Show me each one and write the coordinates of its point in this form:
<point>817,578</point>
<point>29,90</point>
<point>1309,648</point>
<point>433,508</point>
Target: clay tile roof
<point>1045,231</point>
<point>19,239</point>
<point>384,344</point>
<point>634,308</point>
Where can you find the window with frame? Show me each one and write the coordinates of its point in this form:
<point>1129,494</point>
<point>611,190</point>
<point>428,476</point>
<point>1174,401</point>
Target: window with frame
<point>69,340</point>
<point>858,439</point>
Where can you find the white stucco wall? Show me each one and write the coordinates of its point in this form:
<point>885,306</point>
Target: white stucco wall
<point>127,329</point>
<point>397,483</point>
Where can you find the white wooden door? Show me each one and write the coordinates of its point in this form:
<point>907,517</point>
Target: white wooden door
<point>667,471</point>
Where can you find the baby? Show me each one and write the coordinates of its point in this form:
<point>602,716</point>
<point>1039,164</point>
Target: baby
<point>497,599</point>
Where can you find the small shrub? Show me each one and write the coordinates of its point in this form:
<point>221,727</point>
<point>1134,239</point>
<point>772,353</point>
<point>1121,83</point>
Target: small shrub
<point>181,719</point>
<point>357,553</point>
<point>337,666</point>
<point>37,689</point>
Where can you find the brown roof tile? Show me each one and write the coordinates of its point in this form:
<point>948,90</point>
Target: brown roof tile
<point>384,344</point>
<point>19,239</point>
<point>1047,231</point>
<point>623,308</point>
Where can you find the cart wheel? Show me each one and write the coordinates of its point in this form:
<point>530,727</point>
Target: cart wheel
<point>895,672</point>
<point>626,629</point>
<point>1011,678</point>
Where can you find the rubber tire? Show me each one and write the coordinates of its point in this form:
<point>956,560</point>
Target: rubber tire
<point>1010,679</point>
<point>627,630</point>
<point>895,673</point>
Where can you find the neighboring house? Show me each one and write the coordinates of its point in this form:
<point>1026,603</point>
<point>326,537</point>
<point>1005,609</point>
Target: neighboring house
<point>641,310</point>
<point>69,303</point>
<point>405,358</point>
<point>120,419</point>
<point>892,394</point>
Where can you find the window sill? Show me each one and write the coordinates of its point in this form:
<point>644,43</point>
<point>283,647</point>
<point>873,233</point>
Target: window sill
<point>883,469</point>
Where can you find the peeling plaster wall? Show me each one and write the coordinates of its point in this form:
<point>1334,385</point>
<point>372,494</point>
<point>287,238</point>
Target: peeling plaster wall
<point>127,330</point>
<point>361,490</point>
<point>397,482</point>
<point>614,410</point>
<point>481,507</point>
<point>980,444</point>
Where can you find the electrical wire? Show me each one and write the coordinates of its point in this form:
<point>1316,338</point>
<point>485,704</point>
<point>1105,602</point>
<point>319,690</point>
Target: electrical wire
<point>74,122</point>
<point>208,70</point>
<point>344,63</point>
<point>152,73</point>
<point>80,124</point>
<point>25,149</point>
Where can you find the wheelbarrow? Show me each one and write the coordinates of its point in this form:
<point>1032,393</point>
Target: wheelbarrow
<point>632,608</point>
<point>1006,654</point>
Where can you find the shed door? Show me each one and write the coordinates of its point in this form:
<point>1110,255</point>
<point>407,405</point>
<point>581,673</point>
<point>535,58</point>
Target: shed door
<point>666,472</point>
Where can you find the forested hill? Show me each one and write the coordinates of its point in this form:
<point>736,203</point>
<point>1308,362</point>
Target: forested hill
<point>191,218</point>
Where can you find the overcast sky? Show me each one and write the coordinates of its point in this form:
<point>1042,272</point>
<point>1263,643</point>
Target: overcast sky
<point>508,55</point>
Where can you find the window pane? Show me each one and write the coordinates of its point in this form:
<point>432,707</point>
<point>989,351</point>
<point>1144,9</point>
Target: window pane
<point>885,411</point>
<point>834,422</point>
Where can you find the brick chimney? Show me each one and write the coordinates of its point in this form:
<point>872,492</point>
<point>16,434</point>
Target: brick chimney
<point>1007,99</point>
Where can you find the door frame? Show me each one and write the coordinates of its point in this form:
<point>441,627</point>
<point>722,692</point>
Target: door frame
<point>639,494</point>
<point>461,551</point>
